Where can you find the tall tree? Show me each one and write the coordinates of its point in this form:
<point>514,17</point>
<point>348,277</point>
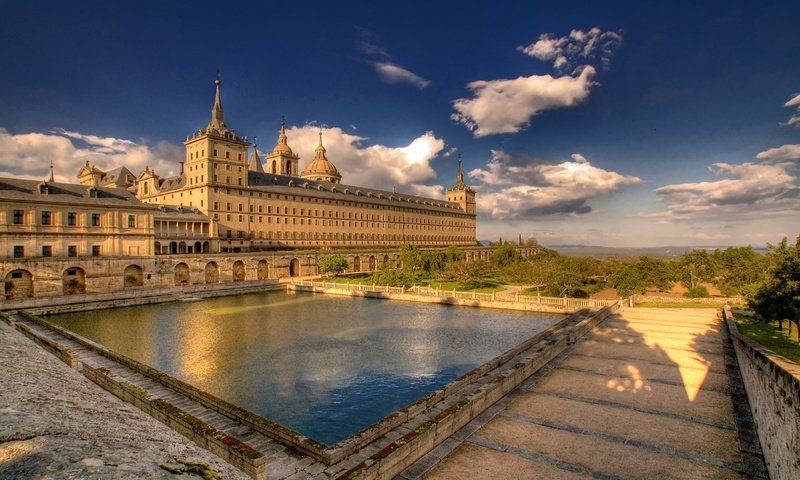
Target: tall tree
<point>778,297</point>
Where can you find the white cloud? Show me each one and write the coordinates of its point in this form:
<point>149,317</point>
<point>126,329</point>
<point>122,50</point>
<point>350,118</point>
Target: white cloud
<point>780,154</point>
<point>747,190</point>
<point>577,48</point>
<point>507,106</point>
<point>378,166</point>
<point>391,73</point>
<point>388,70</point>
<point>516,187</point>
<point>794,120</point>
<point>29,155</point>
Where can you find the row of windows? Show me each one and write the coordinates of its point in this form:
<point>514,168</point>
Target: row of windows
<point>202,154</point>
<point>295,198</point>
<point>361,237</point>
<point>47,251</point>
<point>48,218</point>
<point>335,214</point>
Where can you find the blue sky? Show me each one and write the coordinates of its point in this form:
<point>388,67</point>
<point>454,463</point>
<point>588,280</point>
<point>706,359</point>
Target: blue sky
<point>620,124</point>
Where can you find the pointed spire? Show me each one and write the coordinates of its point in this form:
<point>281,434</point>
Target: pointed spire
<point>320,149</point>
<point>51,172</point>
<point>460,172</point>
<point>217,113</point>
<point>255,161</point>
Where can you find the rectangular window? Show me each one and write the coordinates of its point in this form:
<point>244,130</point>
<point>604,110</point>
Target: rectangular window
<point>46,217</point>
<point>19,251</point>
<point>72,219</point>
<point>47,250</point>
<point>216,205</point>
<point>72,251</point>
<point>240,207</point>
<point>95,250</point>
<point>95,219</point>
<point>19,217</point>
<point>227,154</point>
<point>131,221</point>
<point>215,152</point>
<point>227,206</point>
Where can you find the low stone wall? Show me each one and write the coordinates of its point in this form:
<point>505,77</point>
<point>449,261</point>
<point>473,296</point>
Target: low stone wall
<point>664,299</point>
<point>480,302</point>
<point>226,447</point>
<point>773,389</point>
<point>136,296</point>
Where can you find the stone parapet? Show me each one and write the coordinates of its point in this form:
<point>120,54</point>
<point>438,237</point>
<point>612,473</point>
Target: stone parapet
<point>773,388</point>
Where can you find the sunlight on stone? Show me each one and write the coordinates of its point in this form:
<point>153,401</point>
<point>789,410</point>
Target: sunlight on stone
<point>16,450</point>
<point>692,367</point>
<point>634,384</point>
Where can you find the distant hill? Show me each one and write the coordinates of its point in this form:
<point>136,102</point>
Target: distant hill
<point>635,252</point>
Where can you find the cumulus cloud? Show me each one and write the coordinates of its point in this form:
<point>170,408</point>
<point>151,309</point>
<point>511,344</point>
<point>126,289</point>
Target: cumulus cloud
<point>391,73</point>
<point>507,106</point>
<point>747,190</point>
<point>577,48</point>
<point>794,120</point>
<point>28,155</point>
<point>378,166</point>
<point>520,187</point>
<point>780,154</point>
<point>388,70</point>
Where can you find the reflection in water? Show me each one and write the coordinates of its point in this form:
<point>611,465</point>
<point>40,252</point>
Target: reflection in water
<point>322,365</point>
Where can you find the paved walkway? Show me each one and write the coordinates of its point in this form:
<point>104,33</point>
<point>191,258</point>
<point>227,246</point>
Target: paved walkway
<point>653,393</point>
<point>55,423</point>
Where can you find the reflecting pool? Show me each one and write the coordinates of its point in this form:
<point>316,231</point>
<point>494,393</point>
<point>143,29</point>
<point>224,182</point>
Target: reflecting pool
<point>325,366</point>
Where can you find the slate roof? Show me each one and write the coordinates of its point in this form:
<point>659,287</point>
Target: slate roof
<point>66,193</point>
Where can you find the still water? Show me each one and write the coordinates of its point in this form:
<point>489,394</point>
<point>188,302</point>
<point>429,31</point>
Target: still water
<point>325,366</point>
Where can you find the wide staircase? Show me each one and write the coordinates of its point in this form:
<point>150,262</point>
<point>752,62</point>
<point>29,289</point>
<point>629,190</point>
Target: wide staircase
<point>651,393</point>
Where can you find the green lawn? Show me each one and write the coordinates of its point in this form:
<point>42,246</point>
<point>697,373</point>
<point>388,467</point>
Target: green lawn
<point>767,334</point>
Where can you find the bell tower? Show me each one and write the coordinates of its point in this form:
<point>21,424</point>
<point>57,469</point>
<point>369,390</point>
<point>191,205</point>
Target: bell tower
<point>462,193</point>
<point>216,155</point>
<point>282,160</point>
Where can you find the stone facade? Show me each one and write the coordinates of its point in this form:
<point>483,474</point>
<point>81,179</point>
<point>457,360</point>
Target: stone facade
<point>257,208</point>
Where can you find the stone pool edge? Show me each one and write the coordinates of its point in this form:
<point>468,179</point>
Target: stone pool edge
<point>438,415</point>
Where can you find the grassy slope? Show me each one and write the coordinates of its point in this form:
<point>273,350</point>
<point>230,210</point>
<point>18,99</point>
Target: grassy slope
<point>767,334</point>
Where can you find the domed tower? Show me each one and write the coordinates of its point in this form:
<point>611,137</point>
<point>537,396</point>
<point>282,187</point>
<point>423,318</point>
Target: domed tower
<point>282,160</point>
<point>461,193</point>
<point>321,168</point>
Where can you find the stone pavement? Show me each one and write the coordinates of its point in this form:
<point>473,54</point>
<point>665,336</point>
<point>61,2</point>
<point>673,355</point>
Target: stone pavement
<point>652,393</point>
<point>55,423</point>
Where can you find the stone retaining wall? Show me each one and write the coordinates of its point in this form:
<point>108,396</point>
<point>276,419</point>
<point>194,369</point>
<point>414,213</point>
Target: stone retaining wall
<point>443,300</point>
<point>773,389</point>
<point>135,296</point>
<point>226,447</point>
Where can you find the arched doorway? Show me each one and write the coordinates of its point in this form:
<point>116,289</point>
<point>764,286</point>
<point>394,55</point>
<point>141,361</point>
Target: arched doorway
<point>238,271</point>
<point>263,270</point>
<point>157,248</point>
<point>181,274</point>
<point>385,259</point>
<point>356,264</point>
<point>212,272</point>
<point>206,246</point>
<point>198,247</point>
<point>294,268</point>
<point>372,263</point>
<point>173,247</point>
<point>133,277</point>
<point>73,281</point>
<point>18,284</point>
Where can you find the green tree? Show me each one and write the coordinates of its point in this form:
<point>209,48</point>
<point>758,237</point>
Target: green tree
<point>335,264</point>
<point>433,261</point>
<point>739,270</point>
<point>505,255</point>
<point>629,279</point>
<point>410,257</point>
<point>778,297</point>
<point>466,272</point>
<point>386,275</point>
<point>695,267</point>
